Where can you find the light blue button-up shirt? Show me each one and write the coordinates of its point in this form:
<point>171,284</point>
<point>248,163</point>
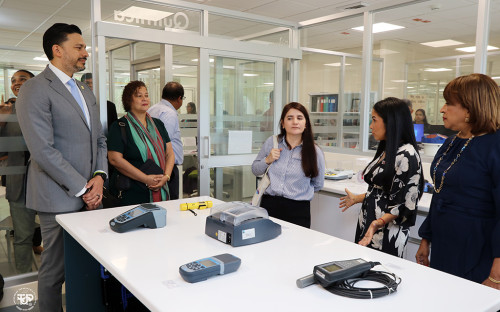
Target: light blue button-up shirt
<point>166,112</point>
<point>287,177</point>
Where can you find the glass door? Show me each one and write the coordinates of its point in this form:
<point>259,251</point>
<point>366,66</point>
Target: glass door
<point>238,111</point>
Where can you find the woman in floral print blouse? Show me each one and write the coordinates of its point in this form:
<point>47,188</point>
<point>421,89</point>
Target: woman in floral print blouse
<point>395,181</point>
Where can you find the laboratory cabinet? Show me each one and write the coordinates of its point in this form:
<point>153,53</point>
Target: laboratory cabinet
<point>328,218</point>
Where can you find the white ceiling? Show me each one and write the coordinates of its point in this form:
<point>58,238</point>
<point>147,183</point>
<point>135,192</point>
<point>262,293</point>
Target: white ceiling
<point>23,22</point>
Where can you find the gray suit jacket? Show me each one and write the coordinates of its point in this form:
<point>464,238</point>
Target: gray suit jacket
<point>64,151</point>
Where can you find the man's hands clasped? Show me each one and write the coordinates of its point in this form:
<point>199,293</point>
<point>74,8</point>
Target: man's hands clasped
<point>93,197</point>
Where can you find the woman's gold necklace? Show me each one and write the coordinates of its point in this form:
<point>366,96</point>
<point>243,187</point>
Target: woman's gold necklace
<point>437,190</point>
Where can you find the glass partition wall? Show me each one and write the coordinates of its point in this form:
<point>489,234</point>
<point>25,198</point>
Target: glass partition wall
<point>416,49</point>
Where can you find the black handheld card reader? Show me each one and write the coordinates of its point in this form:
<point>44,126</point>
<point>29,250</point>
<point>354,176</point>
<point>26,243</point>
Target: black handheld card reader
<point>328,273</point>
<point>145,215</point>
<point>340,278</point>
<point>202,269</point>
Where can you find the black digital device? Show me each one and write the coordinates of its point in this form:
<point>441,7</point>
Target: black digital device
<point>145,215</point>
<point>202,269</point>
<point>329,273</point>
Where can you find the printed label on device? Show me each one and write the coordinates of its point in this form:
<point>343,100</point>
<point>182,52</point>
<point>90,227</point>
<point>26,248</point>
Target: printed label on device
<point>222,236</point>
<point>320,274</point>
<point>248,233</point>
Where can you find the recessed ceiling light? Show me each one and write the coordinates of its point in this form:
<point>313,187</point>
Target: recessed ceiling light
<point>250,75</point>
<point>473,49</point>
<point>41,58</point>
<point>398,80</point>
<point>146,14</point>
<point>384,52</point>
<point>194,60</point>
<point>437,69</point>
<point>495,77</point>
<point>380,27</point>
<point>336,64</point>
<point>269,83</point>
<point>228,66</point>
<point>441,43</point>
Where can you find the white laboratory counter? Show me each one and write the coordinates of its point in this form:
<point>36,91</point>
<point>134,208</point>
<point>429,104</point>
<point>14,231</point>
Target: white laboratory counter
<point>147,261</point>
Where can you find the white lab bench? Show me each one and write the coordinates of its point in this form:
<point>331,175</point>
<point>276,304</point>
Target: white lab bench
<point>147,262</point>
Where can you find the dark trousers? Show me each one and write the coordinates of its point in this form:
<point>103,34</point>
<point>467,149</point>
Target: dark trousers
<point>173,183</point>
<point>293,211</point>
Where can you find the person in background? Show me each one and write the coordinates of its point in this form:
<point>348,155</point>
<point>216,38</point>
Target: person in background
<point>296,168</point>
<point>267,124</point>
<point>166,110</point>
<point>59,119</point>
<point>27,235</point>
<point>463,224</point>
<point>146,139</point>
<point>111,107</point>
<point>191,108</point>
<point>421,118</point>
<point>409,104</point>
<point>395,181</point>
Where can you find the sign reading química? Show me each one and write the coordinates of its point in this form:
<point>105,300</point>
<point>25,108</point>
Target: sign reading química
<point>155,18</point>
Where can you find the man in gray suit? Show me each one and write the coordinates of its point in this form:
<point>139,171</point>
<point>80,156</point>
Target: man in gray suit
<point>60,122</point>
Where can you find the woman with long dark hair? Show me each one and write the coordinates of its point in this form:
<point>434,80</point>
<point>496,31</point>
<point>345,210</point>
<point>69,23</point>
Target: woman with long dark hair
<point>395,181</point>
<point>297,168</point>
<point>420,117</point>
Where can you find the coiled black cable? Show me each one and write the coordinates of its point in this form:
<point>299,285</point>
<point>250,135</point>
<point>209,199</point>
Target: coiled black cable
<point>348,289</point>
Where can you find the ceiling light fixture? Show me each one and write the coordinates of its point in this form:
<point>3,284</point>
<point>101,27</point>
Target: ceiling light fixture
<point>146,14</point>
<point>433,70</point>
<point>380,27</point>
<point>473,49</point>
<point>336,64</point>
<point>41,58</point>
<point>354,6</point>
<point>441,43</point>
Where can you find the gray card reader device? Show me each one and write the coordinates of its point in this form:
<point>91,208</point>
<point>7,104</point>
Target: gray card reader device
<point>202,269</point>
<point>145,215</point>
<point>239,224</point>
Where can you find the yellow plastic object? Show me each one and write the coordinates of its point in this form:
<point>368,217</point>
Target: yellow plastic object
<point>198,205</point>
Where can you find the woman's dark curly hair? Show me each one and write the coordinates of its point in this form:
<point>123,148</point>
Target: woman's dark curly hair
<point>129,91</point>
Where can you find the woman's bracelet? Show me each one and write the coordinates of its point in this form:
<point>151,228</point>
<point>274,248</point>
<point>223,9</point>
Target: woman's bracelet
<point>383,221</point>
<point>168,177</point>
<point>493,280</point>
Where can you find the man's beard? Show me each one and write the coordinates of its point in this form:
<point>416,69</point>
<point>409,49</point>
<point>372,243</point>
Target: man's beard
<point>78,68</point>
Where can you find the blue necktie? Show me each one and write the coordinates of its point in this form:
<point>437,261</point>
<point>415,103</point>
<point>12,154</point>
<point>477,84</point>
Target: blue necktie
<point>76,95</point>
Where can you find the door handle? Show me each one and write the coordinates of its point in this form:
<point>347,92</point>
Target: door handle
<point>206,147</point>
